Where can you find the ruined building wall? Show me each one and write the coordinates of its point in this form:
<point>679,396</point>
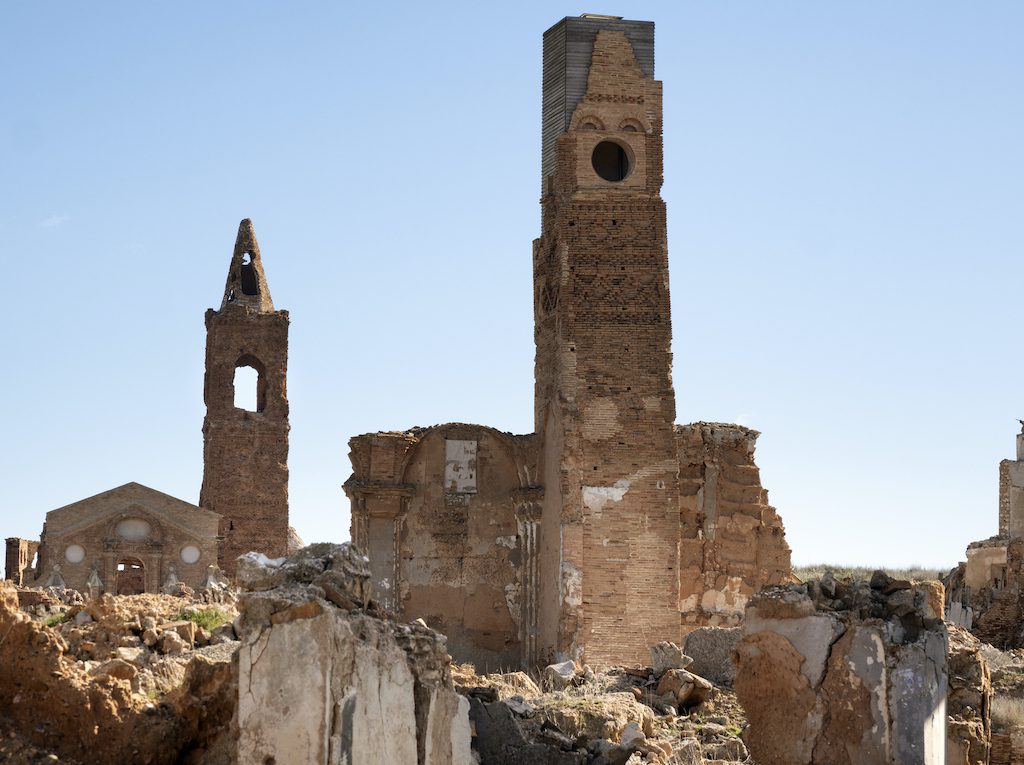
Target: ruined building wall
<point>603,366</point>
<point>245,453</point>
<point>126,540</point>
<point>732,542</point>
<point>569,543</point>
<point>18,562</point>
<point>440,512</point>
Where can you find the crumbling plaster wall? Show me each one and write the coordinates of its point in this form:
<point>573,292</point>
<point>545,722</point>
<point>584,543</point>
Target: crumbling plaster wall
<point>732,541</point>
<point>454,554</point>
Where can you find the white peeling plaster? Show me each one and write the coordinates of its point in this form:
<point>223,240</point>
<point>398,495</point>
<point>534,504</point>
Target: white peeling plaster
<point>512,601</point>
<point>595,497</point>
<point>572,585</point>
<point>509,542</point>
<point>728,600</point>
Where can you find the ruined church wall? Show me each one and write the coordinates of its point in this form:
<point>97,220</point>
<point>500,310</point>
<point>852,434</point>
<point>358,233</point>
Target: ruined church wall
<point>130,522</point>
<point>19,558</point>
<point>460,550</point>
<point>732,541</point>
<point>449,518</point>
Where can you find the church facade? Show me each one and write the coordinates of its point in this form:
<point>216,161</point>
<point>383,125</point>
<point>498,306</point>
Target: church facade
<point>135,539</point>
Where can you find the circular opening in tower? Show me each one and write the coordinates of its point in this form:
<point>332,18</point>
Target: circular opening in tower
<point>611,161</point>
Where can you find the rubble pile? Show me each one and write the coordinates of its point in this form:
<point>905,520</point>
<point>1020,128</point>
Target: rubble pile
<point>845,673</point>
<point>662,713</point>
<point>78,680</point>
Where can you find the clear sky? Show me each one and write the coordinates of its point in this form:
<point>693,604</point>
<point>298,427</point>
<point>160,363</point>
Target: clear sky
<point>844,184</point>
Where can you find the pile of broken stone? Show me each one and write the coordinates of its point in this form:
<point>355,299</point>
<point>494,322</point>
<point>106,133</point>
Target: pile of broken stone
<point>663,713</point>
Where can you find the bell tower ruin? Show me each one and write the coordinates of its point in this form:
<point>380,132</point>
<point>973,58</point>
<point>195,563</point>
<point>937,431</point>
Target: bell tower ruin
<point>604,405</point>
<point>245,451</point>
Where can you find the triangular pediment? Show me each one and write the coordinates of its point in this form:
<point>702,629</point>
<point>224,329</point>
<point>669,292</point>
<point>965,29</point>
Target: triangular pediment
<point>132,498</point>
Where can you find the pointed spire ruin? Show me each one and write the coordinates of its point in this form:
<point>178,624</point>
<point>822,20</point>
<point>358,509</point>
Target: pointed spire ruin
<point>247,284</point>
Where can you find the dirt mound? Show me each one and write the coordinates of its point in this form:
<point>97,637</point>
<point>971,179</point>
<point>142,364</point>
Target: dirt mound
<point>111,707</point>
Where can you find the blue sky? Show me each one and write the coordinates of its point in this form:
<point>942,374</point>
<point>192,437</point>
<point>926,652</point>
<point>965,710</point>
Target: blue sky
<point>844,187</point>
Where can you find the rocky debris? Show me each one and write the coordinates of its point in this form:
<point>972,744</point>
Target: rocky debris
<point>368,689</point>
<point>558,677</point>
<point>89,690</point>
<point>712,650</point>
<point>666,656</point>
<point>969,702</point>
<point>606,718</point>
<point>845,673</point>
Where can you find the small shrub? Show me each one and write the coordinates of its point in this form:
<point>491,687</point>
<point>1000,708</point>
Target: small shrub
<point>1007,712</point>
<point>55,620</point>
<point>207,618</point>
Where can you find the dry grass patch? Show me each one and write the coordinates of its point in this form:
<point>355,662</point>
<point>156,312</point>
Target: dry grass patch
<point>917,573</point>
<point>1007,712</point>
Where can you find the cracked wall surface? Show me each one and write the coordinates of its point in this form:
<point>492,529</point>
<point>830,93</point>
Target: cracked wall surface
<point>845,673</point>
<point>367,689</point>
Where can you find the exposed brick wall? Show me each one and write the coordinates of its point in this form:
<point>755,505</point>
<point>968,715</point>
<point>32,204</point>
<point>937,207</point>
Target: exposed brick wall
<point>160,528</point>
<point>589,509</point>
<point>20,553</point>
<point>732,541</point>
<point>245,454</point>
<point>604,360</point>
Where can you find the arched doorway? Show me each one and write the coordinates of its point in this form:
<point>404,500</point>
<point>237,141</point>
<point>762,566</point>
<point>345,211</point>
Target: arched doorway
<point>131,576</point>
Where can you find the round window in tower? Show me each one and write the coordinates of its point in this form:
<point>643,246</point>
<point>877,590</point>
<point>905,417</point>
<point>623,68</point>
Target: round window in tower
<point>189,554</point>
<point>611,161</point>
<point>74,553</point>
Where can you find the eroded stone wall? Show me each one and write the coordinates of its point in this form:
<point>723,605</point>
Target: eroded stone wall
<point>445,514</point>
<point>843,673</point>
<point>366,689</point>
<point>732,541</point>
<point>18,562</point>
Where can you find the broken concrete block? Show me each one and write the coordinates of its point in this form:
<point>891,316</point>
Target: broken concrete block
<point>711,649</point>
<point>665,656</point>
<point>558,677</point>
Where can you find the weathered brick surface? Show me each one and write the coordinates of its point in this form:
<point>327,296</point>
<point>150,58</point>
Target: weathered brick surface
<point>245,454</point>
<point>581,525</point>
<point>132,523</point>
<point>18,563</point>
<point>732,541</point>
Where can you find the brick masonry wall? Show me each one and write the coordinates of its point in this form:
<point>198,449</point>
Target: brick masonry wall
<point>732,541</point>
<point>93,525</point>
<point>245,454</point>
<point>604,360</point>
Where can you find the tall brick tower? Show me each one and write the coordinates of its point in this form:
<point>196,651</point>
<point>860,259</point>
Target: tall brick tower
<point>605,405</point>
<point>245,453</point>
